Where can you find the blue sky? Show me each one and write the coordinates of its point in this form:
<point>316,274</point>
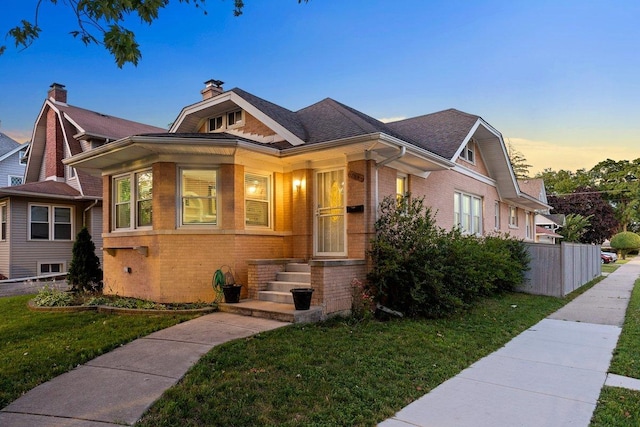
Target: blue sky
<point>559,79</point>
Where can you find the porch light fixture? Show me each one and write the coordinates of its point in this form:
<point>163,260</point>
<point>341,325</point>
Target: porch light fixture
<point>296,185</point>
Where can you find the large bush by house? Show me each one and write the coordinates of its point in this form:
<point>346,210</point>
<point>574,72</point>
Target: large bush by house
<point>625,242</point>
<point>420,269</point>
<point>85,273</point>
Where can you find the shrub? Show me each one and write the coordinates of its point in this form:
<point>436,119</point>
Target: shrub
<point>49,296</point>
<point>85,273</point>
<point>625,242</point>
<point>421,270</point>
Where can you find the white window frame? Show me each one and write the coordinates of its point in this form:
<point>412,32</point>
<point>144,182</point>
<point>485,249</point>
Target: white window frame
<point>469,152</point>
<point>21,157</point>
<point>4,215</point>
<point>496,217</point>
<point>229,120</point>
<point>10,177</point>
<point>51,222</point>
<point>250,199</point>
<point>513,217</point>
<point>39,264</point>
<point>133,202</point>
<point>527,222</point>
<point>184,200</point>
<point>470,222</point>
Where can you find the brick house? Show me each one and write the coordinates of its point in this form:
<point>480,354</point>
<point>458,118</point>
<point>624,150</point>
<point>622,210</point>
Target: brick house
<point>243,182</point>
<point>41,217</point>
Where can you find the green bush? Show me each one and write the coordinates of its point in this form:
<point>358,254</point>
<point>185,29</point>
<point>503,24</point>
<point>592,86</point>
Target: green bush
<point>625,242</point>
<point>420,269</point>
<point>51,297</point>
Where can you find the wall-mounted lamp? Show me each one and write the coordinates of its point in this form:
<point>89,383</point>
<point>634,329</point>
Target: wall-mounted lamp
<point>296,185</point>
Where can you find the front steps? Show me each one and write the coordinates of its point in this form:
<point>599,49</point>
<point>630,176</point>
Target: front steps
<point>276,302</point>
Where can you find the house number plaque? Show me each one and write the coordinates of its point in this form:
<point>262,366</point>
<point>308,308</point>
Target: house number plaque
<point>357,176</point>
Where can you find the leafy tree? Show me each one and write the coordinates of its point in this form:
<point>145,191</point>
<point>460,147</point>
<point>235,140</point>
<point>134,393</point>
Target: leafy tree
<point>564,182</point>
<point>575,226</point>
<point>518,162</point>
<point>588,203</point>
<point>85,273</point>
<point>625,242</point>
<point>619,182</point>
<point>102,22</point>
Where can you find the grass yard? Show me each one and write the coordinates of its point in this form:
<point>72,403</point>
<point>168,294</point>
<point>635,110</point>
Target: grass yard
<point>37,346</point>
<point>340,372</point>
<point>617,406</point>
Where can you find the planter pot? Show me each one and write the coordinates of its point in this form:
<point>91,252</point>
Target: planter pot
<point>302,298</point>
<point>231,293</point>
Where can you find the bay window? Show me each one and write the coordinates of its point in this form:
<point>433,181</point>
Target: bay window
<point>132,200</point>
<point>199,196</point>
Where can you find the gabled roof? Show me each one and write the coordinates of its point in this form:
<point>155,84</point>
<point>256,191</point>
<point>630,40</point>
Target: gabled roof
<point>7,144</point>
<point>541,231</point>
<point>442,132</point>
<point>533,187</point>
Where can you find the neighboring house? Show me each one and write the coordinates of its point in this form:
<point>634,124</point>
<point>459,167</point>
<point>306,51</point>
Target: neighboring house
<point>546,224</point>
<point>12,161</point>
<point>242,182</point>
<point>41,217</point>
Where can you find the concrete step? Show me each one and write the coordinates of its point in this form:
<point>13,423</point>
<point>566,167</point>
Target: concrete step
<point>298,267</point>
<point>286,286</point>
<point>293,276</point>
<point>276,296</point>
<point>273,310</point>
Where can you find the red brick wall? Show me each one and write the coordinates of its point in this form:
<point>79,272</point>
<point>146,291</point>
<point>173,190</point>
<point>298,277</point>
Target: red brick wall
<point>53,146</point>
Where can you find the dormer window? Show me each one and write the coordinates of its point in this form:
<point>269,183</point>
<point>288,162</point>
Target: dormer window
<point>226,121</point>
<point>216,123</point>
<point>468,152</point>
<point>234,118</point>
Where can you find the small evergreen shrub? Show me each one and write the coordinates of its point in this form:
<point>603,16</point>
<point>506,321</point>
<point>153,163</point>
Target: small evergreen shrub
<point>85,274</point>
<point>420,269</point>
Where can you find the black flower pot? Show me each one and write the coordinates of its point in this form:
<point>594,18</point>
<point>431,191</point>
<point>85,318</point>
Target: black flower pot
<point>302,298</point>
<point>231,293</point>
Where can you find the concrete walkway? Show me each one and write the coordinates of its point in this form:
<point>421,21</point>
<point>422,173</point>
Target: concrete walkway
<point>117,387</point>
<point>550,375</point>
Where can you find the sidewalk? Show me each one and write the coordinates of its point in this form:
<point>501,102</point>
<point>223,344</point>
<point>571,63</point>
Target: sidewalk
<point>117,387</point>
<point>550,375</point>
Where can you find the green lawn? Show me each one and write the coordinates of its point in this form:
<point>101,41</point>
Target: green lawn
<point>340,372</point>
<point>37,346</point>
<point>616,406</point>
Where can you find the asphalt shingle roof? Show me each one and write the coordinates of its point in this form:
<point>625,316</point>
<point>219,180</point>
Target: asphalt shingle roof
<point>7,144</point>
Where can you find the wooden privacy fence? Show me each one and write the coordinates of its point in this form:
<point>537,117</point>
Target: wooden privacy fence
<point>558,270</point>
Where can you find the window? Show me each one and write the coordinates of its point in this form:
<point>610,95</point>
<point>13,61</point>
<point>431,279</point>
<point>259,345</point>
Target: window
<point>527,222</point>
<point>468,152</point>
<point>133,208</point>
<point>401,186</point>
<point>257,203</point>
<point>234,118</point>
<point>15,180</point>
<point>225,121</point>
<point>513,216</point>
<point>215,123</point>
<point>199,196</point>
<point>22,159</point>
<point>468,212</point>
<point>3,217</point>
<point>50,222</point>
<point>51,267</point>
<point>496,219</point>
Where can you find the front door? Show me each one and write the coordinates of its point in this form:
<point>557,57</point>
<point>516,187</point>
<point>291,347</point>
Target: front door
<point>330,227</point>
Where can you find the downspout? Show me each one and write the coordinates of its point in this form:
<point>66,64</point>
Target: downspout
<point>84,213</point>
<point>403,151</point>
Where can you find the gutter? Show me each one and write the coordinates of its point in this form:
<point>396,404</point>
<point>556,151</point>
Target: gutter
<point>84,213</point>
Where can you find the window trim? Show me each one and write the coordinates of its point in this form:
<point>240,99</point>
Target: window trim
<point>513,216</point>
<point>225,121</point>
<point>4,221</point>
<point>10,177</point>
<point>134,213</point>
<point>39,264</point>
<point>268,200</point>
<point>473,217</point>
<point>51,236</point>
<point>468,153</point>
<point>181,202</point>
<point>527,222</point>
<point>496,216</point>
<point>22,158</point>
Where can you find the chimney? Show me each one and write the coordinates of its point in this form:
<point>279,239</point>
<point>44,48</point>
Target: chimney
<point>57,92</point>
<point>212,88</point>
